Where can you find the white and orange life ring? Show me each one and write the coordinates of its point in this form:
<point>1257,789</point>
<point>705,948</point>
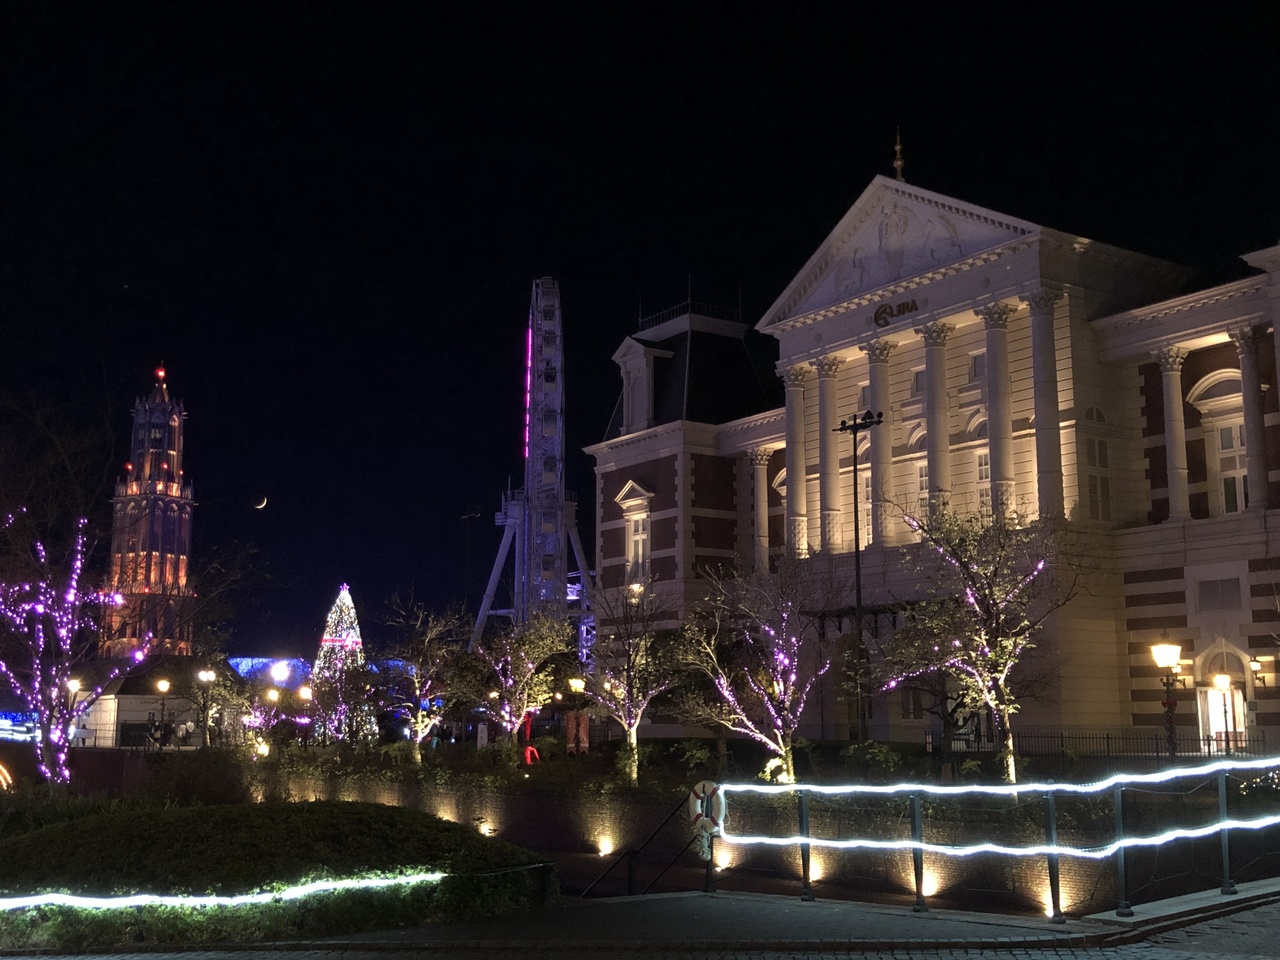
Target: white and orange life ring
<point>707,807</point>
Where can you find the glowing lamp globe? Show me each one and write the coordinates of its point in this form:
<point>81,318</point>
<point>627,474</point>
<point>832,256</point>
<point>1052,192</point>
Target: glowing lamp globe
<point>1166,655</point>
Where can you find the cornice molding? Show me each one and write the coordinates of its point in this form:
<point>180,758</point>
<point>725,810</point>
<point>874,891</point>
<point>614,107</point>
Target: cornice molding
<point>992,255</point>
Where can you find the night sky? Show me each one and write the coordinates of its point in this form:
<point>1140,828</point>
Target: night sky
<point>326,219</point>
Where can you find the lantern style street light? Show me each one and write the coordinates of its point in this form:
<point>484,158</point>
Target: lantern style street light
<point>1166,656</point>
<point>855,427</point>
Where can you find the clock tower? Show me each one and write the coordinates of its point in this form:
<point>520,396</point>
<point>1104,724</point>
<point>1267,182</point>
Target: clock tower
<point>151,535</point>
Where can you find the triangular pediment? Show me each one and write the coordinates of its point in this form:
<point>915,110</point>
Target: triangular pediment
<point>632,495</point>
<point>893,232</point>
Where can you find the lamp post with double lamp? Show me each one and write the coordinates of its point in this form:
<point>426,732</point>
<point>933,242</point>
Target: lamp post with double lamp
<point>1222,682</point>
<point>1166,656</point>
<point>855,427</point>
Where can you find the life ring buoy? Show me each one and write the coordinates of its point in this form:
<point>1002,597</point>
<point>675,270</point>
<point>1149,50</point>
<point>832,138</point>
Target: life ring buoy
<point>707,807</point>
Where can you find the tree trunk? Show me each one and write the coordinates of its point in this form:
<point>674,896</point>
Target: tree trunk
<point>1010,761</point>
<point>788,759</point>
<point>633,756</point>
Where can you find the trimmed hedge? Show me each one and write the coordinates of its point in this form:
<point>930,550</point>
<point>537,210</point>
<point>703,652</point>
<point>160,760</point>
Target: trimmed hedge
<point>247,849</point>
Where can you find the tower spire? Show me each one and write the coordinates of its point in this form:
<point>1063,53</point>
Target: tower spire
<point>898,162</point>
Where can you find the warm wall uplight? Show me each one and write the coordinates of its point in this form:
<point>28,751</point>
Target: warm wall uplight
<point>724,858</point>
<point>604,845</point>
<point>929,884</point>
<point>1166,655</point>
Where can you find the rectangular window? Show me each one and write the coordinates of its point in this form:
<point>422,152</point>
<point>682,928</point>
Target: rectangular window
<point>864,397</point>
<point>912,704</point>
<point>865,507</point>
<point>1213,596</point>
<point>922,486</point>
<point>977,367</point>
<point>638,552</point>
<point>984,484</point>
<point>1097,478</point>
<point>917,383</point>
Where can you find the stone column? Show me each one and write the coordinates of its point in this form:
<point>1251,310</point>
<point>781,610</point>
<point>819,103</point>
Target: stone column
<point>878,352</point>
<point>1044,364</point>
<point>797,493</point>
<point>1175,431</point>
<point>760,492</point>
<point>995,318</point>
<point>937,413</point>
<point>829,454</point>
<point>1246,341</point>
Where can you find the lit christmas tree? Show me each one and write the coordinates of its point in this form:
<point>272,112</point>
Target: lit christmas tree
<point>341,647</point>
<point>340,679</point>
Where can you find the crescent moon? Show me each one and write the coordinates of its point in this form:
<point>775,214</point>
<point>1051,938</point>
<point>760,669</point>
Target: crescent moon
<point>259,506</point>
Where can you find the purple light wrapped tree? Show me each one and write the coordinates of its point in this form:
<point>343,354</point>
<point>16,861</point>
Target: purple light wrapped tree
<point>995,582</point>
<point>50,634</point>
<point>761,650</point>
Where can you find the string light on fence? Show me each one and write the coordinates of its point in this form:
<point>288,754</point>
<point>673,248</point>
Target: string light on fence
<point>1010,790</point>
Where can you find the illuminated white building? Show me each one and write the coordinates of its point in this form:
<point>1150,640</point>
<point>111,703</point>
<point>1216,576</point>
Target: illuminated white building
<point>1018,368</point>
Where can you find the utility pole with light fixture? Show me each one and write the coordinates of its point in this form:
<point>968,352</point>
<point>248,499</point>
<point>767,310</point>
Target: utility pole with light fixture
<point>865,422</point>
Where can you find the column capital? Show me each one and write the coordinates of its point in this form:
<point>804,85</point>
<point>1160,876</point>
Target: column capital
<point>878,351</point>
<point>827,366</point>
<point>1042,300</point>
<point>796,376</point>
<point>1245,337</point>
<point>1169,358</point>
<point>934,334</point>
<point>759,456</point>
<point>995,316</point>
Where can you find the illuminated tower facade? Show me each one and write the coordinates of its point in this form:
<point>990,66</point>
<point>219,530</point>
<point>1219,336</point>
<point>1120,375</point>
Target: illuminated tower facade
<point>151,535</point>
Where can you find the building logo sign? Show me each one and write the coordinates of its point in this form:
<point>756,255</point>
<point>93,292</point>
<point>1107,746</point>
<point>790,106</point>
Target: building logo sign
<point>887,312</point>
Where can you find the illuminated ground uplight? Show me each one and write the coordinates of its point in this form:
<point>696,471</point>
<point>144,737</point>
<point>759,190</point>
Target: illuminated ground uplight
<point>929,886</point>
<point>6,778</point>
<point>724,858</point>
<point>604,845</point>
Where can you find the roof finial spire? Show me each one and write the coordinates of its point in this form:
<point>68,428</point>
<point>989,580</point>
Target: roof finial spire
<point>898,162</point>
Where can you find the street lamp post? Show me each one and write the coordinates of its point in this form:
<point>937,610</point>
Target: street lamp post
<point>163,687</point>
<point>206,678</point>
<point>865,422</point>
<point>1166,656</point>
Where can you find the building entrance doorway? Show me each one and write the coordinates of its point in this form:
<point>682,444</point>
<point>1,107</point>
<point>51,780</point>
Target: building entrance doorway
<point>1222,716</point>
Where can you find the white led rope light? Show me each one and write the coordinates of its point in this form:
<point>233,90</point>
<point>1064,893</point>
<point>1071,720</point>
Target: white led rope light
<point>151,899</point>
<point>1005,789</point>
<point>1094,853</point>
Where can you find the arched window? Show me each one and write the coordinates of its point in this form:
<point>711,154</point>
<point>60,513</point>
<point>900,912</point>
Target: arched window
<point>1218,397</point>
